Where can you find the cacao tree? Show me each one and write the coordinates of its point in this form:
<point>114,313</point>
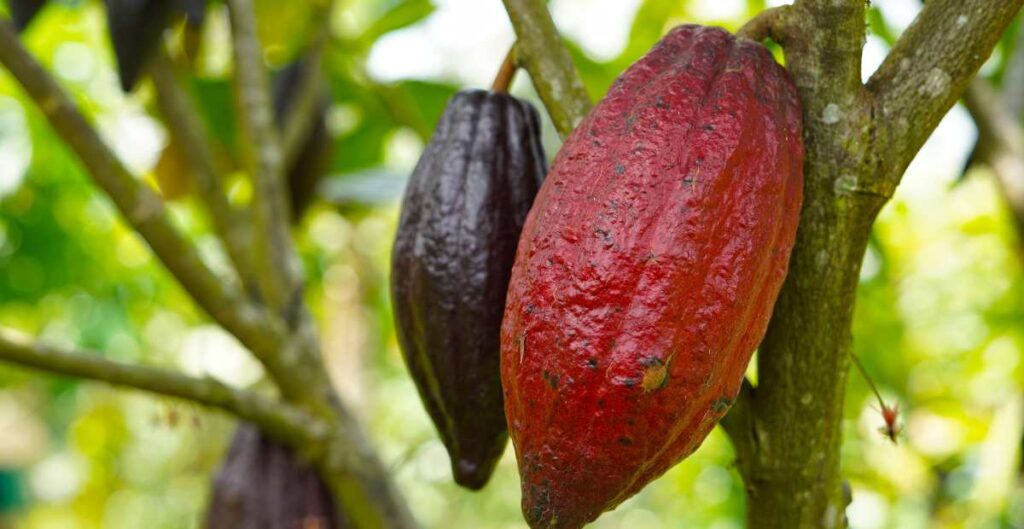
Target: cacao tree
<point>302,455</point>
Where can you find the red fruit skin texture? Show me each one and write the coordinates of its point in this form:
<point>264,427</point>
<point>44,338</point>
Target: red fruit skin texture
<point>647,271</point>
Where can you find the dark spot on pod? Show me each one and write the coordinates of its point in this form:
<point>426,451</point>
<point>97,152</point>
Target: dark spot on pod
<point>551,379</point>
<point>592,363</point>
<point>652,361</point>
<point>660,103</point>
<point>541,499</point>
<point>625,441</point>
<point>619,169</point>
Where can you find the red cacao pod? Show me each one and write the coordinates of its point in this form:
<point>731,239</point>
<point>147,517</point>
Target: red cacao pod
<point>647,271</point>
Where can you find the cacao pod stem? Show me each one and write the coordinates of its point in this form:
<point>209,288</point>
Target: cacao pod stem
<point>506,72</point>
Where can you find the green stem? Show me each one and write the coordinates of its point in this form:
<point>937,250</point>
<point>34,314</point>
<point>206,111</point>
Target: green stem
<point>546,58</point>
<point>182,118</point>
<point>280,274</point>
<point>278,419</point>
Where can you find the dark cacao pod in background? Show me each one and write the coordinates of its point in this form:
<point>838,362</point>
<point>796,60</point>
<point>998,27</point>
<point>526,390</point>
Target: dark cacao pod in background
<point>647,271</point>
<point>314,157</point>
<point>262,485</point>
<point>195,11</point>
<point>136,30</point>
<point>23,11</point>
<point>463,210</point>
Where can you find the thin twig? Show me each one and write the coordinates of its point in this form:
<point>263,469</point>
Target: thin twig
<point>280,272</point>
<point>278,419</point>
<point>182,119</point>
<point>506,72</point>
<point>543,54</point>
<point>302,111</point>
<point>867,378</point>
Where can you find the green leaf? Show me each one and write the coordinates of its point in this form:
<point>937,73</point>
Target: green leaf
<point>649,25</point>
<point>364,146</point>
<point>400,16</point>
<point>597,76</point>
<point>423,103</point>
<point>879,27</point>
<point>215,99</point>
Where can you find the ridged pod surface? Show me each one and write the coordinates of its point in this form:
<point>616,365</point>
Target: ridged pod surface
<point>263,485</point>
<point>647,271</point>
<point>463,210</point>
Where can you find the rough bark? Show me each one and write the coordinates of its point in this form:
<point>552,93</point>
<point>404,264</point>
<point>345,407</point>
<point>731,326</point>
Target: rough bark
<point>859,141</point>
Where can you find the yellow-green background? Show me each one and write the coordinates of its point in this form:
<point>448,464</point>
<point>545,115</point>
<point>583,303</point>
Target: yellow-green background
<point>939,315</point>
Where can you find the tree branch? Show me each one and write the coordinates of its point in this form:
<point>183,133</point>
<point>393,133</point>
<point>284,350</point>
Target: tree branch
<point>261,332</point>
<point>928,69</point>
<point>302,112</point>
<point>857,144</point>
<point>546,58</point>
<point>1013,76</point>
<point>762,26</point>
<point>343,456</point>
<point>278,419</point>
<point>359,482</point>
<point>280,272</point>
<point>1000,144</point>
<point>739,426</point>
<point>182,119</point>
<point>793,476</point>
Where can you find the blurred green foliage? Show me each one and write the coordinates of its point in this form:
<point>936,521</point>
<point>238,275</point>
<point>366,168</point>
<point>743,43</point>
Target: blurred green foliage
<point>938,319</point>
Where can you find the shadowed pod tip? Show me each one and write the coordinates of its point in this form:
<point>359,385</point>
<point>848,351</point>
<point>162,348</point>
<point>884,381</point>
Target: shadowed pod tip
<point>472,474</point>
